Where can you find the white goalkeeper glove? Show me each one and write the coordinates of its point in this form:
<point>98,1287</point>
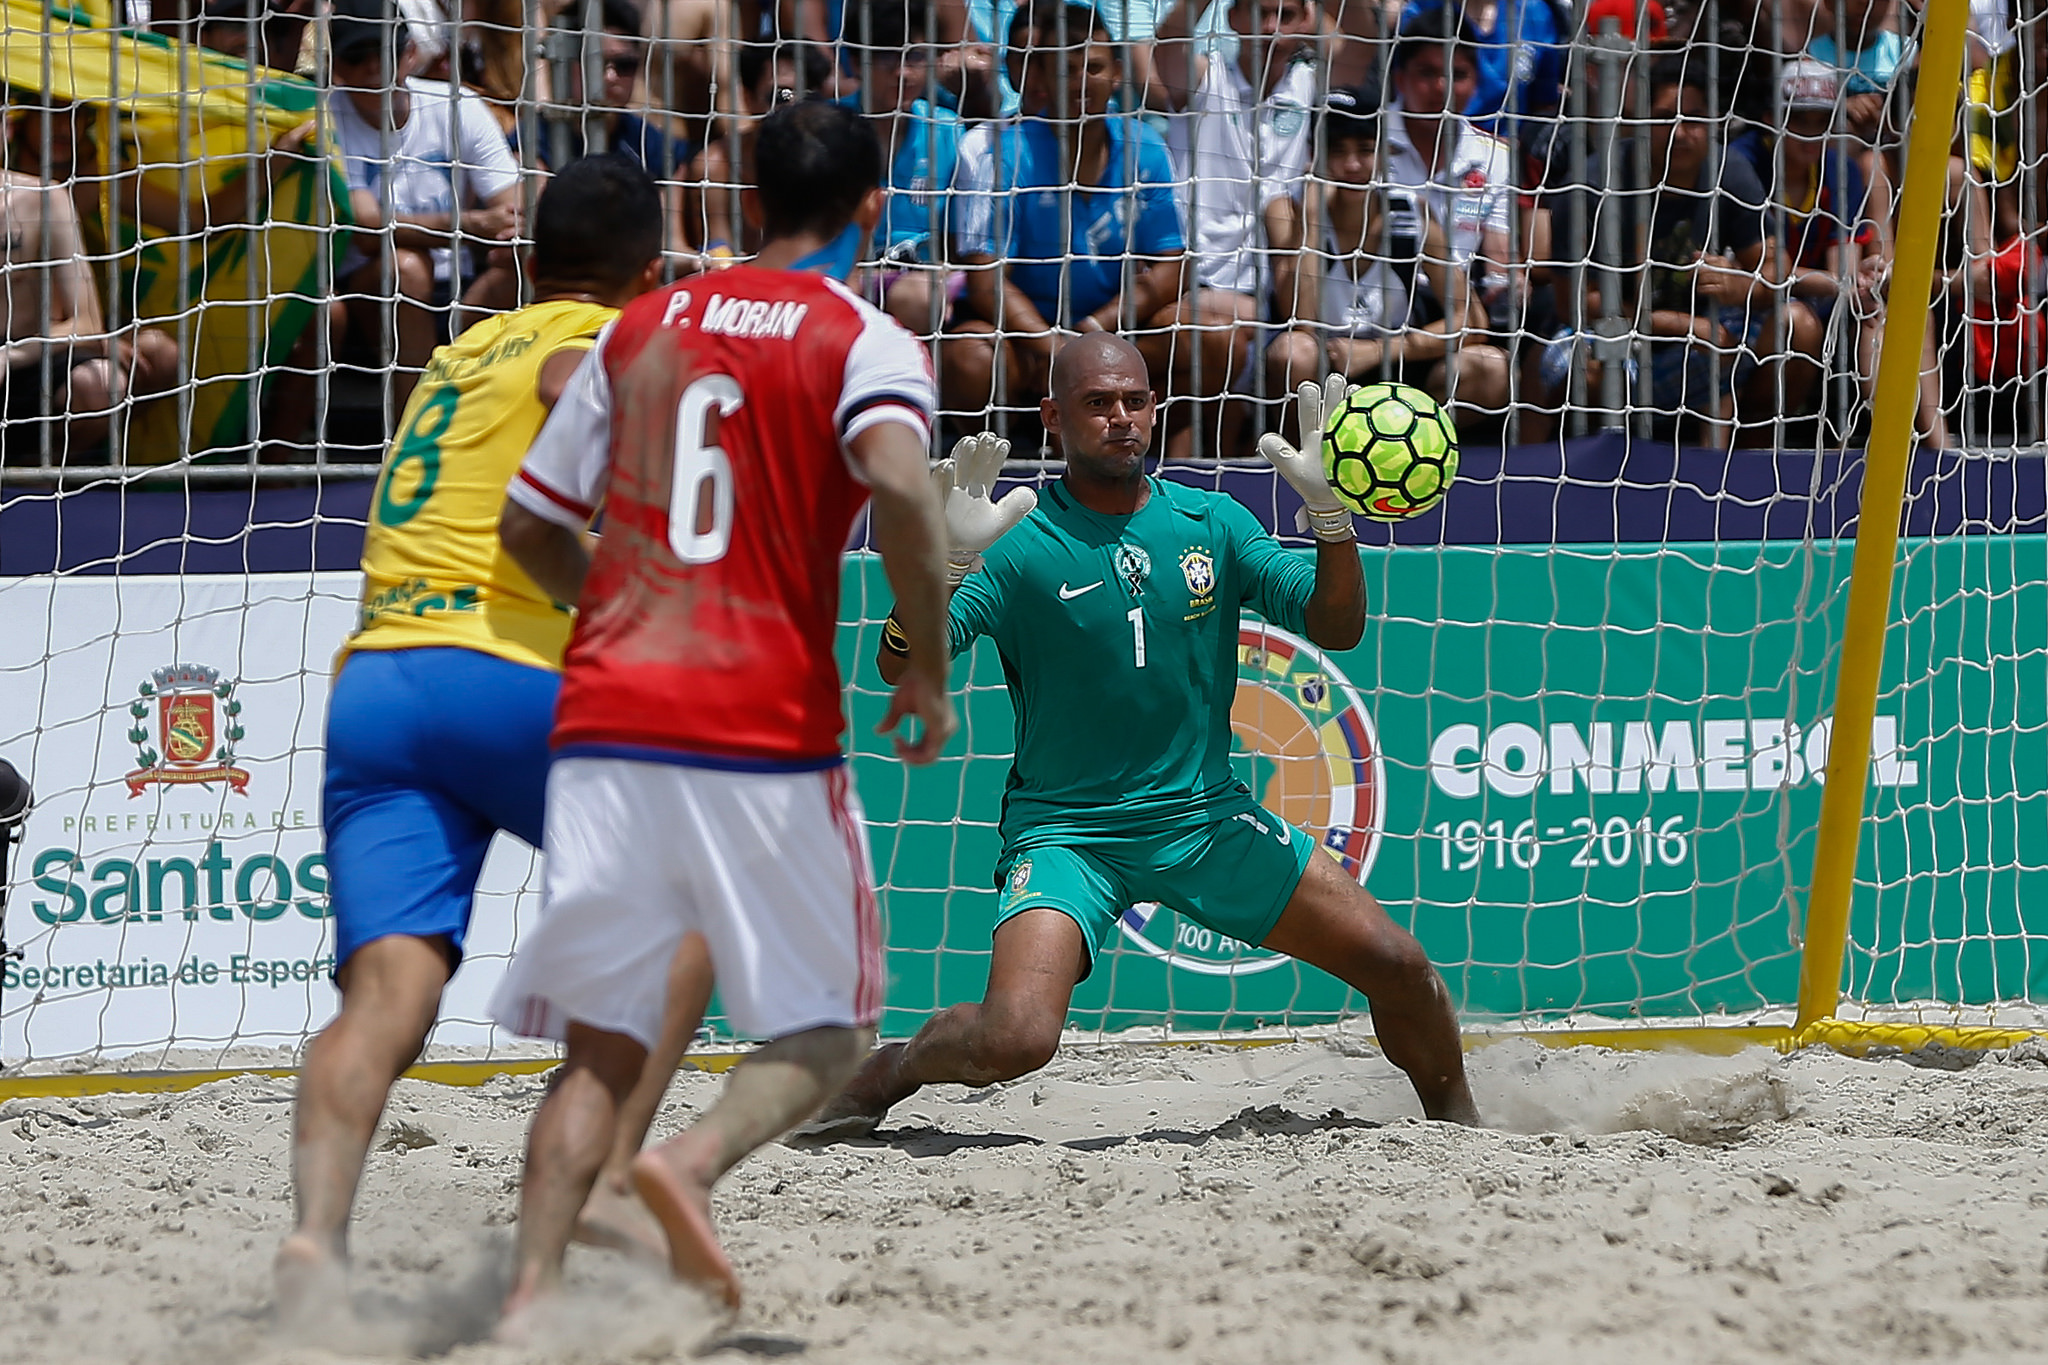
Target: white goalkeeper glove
<point>975,521</point>
<point>1321,513</point>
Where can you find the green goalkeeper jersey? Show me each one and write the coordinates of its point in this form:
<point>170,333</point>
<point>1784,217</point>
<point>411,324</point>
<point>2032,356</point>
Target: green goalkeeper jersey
<point>1118,637</point>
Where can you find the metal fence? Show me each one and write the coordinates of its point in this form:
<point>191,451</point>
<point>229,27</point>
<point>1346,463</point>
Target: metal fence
<point>236,231</point>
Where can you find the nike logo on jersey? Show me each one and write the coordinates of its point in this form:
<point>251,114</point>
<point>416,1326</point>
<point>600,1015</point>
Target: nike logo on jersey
<point>1068,594</point>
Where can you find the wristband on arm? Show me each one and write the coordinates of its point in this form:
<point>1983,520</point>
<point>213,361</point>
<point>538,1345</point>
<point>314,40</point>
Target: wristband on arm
<point>894,641</point>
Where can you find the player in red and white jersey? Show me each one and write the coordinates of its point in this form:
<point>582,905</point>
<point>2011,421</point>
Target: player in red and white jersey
<point>710,422</point>
<point>731,427</point>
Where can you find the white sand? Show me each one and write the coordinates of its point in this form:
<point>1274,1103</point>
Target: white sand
<point>1124,1206</point>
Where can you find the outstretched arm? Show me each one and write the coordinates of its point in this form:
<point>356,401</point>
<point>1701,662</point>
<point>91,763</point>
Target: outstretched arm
<point>1335,613</point>
<point>910,535</point>
<point>1336,609</point>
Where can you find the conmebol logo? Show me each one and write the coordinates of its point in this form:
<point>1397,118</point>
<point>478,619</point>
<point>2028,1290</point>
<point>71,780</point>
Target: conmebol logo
<point>1733,754</point>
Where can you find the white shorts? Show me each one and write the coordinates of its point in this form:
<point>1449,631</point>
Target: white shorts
<point>772,868</point>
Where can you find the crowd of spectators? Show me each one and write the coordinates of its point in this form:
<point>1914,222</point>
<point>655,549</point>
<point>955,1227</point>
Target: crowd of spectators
<point>1556,215</point>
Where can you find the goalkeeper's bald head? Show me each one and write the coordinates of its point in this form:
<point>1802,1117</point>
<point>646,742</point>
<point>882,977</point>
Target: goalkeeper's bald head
<point>1083,360</point>
<point>1101,405</point>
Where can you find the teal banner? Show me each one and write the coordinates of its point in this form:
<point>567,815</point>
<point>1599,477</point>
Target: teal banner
<point>1586,776</point>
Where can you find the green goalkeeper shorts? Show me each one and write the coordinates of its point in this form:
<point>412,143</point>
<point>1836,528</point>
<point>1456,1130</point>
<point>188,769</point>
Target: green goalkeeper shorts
<point>1234,875</point>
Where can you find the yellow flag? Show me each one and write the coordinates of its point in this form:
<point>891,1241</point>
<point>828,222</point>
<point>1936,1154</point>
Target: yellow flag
<point>237,298</point>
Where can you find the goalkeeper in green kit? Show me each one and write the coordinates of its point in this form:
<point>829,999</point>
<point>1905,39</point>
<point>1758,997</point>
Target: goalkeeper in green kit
<point>1114,605</point>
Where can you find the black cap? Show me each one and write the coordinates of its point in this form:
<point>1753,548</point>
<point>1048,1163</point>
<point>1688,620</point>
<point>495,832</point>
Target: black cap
<point>1350,112</point>
<point>358,29</point>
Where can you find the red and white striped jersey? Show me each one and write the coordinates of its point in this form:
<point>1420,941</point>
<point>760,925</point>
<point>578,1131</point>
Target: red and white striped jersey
<point>712,422</point>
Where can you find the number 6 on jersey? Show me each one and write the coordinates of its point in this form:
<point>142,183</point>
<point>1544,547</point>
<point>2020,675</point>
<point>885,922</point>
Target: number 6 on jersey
<point>702,478</point>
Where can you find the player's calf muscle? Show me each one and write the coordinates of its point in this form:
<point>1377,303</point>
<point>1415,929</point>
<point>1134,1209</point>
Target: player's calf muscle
<point>1009,1045</point>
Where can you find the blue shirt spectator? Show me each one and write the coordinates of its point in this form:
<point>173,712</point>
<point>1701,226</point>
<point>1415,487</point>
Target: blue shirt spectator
<point>885,47</point>
<point>1020,218</point>
<point>920,174</point>
<point>659,154</point>
<point>1521,61</point>
<point>1131,22</point>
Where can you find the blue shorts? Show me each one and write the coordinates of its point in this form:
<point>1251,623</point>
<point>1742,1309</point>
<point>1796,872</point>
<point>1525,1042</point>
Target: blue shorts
<point>430,752</point>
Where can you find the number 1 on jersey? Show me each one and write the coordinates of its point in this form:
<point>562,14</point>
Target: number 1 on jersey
<point>701,470</point>
<point>1136,616</point>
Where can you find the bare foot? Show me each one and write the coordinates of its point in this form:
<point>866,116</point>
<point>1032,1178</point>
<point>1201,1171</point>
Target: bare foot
<point>682,1205</point>
<point>614,1217</point>
<point>1466,1114</point>
<point>525,1310</point>
<point>860,1108</point>
<point>312,1286</point>
<point>521,1316</point>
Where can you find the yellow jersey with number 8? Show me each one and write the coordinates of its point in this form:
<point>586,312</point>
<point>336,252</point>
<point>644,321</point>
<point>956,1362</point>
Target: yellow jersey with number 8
<point>434,573</point>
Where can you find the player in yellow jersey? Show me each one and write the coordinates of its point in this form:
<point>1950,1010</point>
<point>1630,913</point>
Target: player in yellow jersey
<point>437,730</point>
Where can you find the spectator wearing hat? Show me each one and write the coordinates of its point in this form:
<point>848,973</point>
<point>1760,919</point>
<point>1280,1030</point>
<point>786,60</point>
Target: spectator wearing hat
<point>402,162</point>
<point>1378,292</point>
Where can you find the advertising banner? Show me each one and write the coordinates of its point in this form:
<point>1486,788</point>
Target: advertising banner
<point>171,888</point>
<point>1587,778</point>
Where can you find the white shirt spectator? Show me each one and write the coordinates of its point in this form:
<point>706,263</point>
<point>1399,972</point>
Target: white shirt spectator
<point>412,169</point>
<point>1471,194</point>
<point>1365,294</point>
<point>1991,25</point>
<point>1246,153</point>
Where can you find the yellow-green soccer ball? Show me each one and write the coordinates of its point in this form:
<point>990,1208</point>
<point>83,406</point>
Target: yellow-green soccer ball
<point>1389,451</point>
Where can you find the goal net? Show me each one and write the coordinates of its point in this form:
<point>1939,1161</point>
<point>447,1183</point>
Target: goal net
<point>1582,748</point>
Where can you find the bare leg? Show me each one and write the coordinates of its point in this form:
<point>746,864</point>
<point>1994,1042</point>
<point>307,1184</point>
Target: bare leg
<point>768,1094</point>
<point>572,1134</point>
<point>1220,329</point>
<point>910,301</point>
<point>1334,923</point>
<point>1038,959</point>
<point>1932,424</point>
<point>967,358</point>
<point>613,1216</point>
<point>495,290</point>
<point>1482,383</point>
<point>390,991</point>
<point>1292,358</point>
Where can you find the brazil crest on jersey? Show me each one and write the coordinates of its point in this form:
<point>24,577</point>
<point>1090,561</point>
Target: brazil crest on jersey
<point>1118,637</point>
<point>433,570</point>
